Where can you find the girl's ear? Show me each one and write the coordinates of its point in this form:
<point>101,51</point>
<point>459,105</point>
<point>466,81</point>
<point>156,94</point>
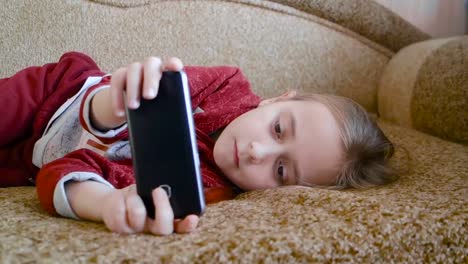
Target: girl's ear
<point>285,96</point>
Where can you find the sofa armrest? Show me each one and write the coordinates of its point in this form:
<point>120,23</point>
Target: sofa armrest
<point>425,86</point>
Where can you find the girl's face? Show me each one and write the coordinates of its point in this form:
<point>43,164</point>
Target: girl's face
<point>282,142</point>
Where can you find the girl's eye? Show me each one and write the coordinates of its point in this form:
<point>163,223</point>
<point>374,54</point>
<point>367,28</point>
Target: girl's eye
<point>278,129</point>
<point>280,172</point>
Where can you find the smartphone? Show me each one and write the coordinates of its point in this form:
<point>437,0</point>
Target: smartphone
<point>164,147</point>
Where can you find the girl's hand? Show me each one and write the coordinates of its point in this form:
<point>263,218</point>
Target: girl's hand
<point>124,212</point>
<point>139,79</point>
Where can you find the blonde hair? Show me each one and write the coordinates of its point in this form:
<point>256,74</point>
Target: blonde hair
<point>367,150</point>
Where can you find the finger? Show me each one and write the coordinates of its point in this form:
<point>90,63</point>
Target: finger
<point>152,76</point>
<point>134,78</point>
<point>136,212</point>
<point>163,223</point>
<point>187,225</point>
<point>117,87</point>
<point>173,64</point>
<point>116,219</point>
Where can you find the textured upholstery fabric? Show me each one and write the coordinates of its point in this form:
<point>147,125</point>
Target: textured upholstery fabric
<point>364,17</point>
<point>277,46</point>
<point>420,218</point>
<point>425,86</point>
<point>341,47</point>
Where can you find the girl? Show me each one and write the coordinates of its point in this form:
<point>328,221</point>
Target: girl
<point>70,122</point>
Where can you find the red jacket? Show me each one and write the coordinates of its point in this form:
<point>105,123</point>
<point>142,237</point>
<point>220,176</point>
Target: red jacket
<point>222,92</point>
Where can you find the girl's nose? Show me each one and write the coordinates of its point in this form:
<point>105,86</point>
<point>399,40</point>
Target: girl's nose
<point>259,152</point>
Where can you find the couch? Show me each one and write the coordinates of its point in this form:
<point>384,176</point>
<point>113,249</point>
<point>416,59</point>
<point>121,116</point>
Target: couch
<point>416,87</point>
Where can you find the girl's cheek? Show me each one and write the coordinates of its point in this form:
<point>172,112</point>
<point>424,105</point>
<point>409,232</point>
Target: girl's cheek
<point>256,178</point>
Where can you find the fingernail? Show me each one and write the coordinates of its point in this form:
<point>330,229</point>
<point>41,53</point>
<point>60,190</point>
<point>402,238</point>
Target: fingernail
<point>119,113</point>
<point>159,192</point>
<point>134,104</point>
<point>151,93</point>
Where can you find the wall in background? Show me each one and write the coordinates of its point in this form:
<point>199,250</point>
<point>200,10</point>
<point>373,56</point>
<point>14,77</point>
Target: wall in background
<point>439,18</point>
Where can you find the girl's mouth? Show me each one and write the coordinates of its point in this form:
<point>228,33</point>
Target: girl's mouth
<point>236,154</point>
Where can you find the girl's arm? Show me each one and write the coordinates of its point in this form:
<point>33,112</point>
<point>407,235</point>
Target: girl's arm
<point>121,209</point>
<point>83,196</point>
<point>102,115</point>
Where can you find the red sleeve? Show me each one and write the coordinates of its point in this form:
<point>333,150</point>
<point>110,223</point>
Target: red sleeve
<point>119,174</point>
<point>28,100</point>
<point>222,92</point>
<point>204,81</point>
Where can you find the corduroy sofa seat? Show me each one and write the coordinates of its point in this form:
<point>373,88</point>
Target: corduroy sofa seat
<point>416,86</point>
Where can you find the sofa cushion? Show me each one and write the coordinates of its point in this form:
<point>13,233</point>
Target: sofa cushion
<point>278,46</point>
<point>419,218</point>
<point>425,86</point>
<point>365,17</point>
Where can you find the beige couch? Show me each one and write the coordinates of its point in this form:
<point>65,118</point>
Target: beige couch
<point>417,87</point>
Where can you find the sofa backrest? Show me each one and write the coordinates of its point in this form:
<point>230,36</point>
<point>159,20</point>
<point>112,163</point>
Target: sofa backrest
<point>279,45</point>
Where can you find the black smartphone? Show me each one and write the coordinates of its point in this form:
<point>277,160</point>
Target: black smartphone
<point>164,147</point>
